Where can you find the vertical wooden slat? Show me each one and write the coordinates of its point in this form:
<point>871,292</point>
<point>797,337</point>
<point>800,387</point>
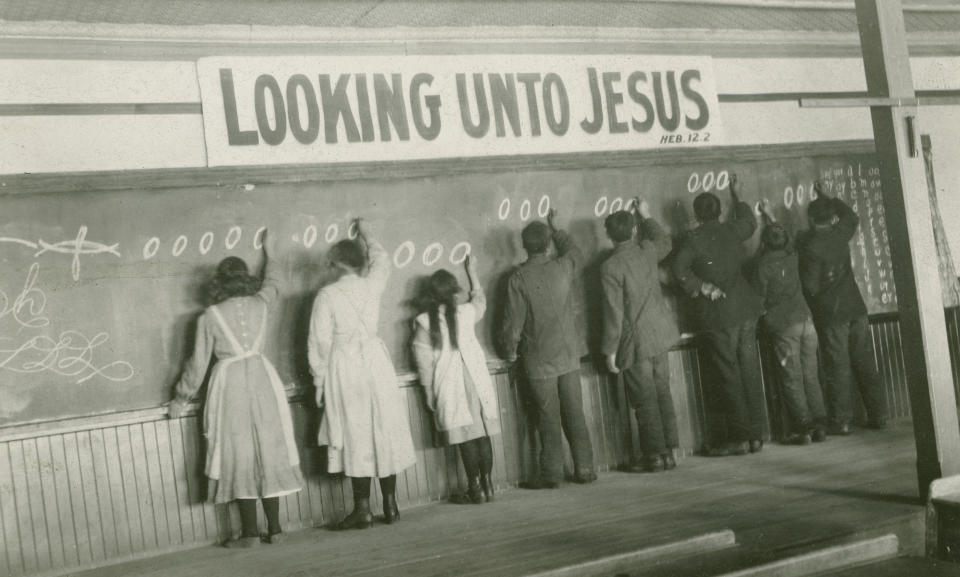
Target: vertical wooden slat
<point>185,508</point>
<point>9,512</point>
<point>48,496</point>
<point>151,529</point>
<point>499,458</point>
<point>86,472</point>
<point>22,495</point>
<point>113,518</point>
<point>169,482</point>
<point>106,497</point>
<point>131,497</point>
<point>71,474</point>
<point>62,502</point>
<point>189,446</point>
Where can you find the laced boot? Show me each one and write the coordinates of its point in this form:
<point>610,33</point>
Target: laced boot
<point>473,496</point>
<point>486,484</point>
<point>391,513</point>
<point>360,518</point>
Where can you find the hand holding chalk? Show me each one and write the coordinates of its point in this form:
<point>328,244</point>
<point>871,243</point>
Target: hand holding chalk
<point>269,243</point>
<point>552,218</point>
<point>642,207</point>
<point>734,186</point>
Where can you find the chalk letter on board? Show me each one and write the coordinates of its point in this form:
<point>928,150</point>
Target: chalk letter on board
<point>309,134</point>
<point>529,81</point>
<point>336,106</point>
<point>271,135</point>
<point>669,123</point>
<point>478,130</point>
<point>390,107</point>
<point>594,126</point>
<point>557,125</point>
<point>703,118</point>
<point>640,98</point>
<point>614,99</point>
<point>235,136</point>
<point>432,101</point>
<point>503,99</point>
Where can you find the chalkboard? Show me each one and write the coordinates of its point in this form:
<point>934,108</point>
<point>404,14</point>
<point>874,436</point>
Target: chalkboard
<point>101,290</point>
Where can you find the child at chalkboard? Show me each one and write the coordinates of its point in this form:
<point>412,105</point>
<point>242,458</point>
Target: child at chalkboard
<point>364,426</point>
<point>839,312</point>
<point>789,329</point>
<point>454,375</point>
<point>251,451</point>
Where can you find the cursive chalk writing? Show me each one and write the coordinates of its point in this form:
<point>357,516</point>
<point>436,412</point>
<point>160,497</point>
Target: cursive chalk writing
<point>69,354</point>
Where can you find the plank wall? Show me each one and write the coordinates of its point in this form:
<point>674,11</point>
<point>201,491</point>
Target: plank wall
<point>88,492</point>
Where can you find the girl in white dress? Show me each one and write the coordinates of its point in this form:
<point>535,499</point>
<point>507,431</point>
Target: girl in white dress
<point>251,453</point>
<point>364,422</point>
<point>454,375</point>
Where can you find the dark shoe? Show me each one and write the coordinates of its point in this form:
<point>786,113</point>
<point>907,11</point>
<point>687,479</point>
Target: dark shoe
<point>539,484</point>
<point>360,518</point>
<point>842,429</point>
<point>486,485</point>
<point>473,496</point>
<point>273,538</point>
<point>669,463</point>
<point>878,424</point>
<point>391,513</point>
<point>584,476</point>
<point>729,449</point>
<point>798,439</point>
<point>818,435</point>
<point>242,543</point>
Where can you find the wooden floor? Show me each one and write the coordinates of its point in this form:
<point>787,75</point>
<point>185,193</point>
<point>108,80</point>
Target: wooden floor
<point>781,501</point>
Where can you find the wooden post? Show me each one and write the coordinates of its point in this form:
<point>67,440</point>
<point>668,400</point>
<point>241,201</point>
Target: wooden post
<point>912,247</point>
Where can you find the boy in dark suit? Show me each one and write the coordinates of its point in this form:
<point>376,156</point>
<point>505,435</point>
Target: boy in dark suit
<point>638,330</point>
<point>789,328</point>
<point>539,321</point>
<point>708,268</point>
<point>839,312</point>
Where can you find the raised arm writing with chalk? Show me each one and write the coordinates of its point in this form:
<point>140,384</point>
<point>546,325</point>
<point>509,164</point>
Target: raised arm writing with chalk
<point>638,331</point>
<point>539,326</point>
<point>839,312</point>
<point>709,269</point>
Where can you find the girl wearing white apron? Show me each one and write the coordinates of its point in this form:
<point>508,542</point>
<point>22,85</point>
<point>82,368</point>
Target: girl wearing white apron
<point>364,424</point>
<point>251,453</point>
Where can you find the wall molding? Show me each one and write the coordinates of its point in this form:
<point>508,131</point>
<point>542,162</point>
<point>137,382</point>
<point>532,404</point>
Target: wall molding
<point>106,41</point>
<point>245,176</point>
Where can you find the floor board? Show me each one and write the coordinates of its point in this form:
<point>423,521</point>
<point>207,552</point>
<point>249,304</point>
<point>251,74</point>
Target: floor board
<point>782,499</point>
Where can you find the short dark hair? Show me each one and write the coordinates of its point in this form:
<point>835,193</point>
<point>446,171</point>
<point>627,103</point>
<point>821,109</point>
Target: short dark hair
<point>706,207</point>
<point>821,211</point>
<point>348,252</point>
<point>536,238</point>
<point>232,279</point>
<point>620,226</point>
<point>775,237</point>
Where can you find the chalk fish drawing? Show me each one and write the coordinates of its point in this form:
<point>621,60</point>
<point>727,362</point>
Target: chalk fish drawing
<point>69,354</point>
<point>76,247</point>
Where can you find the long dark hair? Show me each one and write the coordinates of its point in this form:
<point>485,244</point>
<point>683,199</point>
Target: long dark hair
<point>441,289</point>
<point>233,279</point>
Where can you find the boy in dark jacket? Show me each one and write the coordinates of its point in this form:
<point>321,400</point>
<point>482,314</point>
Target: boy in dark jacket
<point>839,312</point>
<point>638,330</point>
<point>789,328</point>
<point>708,268</point>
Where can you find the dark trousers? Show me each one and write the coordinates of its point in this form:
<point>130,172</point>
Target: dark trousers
<point>558,407</point>
<point>796,350</point>
<point>848,355</point>
<point>648,389</point>
<point>733,368</point>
